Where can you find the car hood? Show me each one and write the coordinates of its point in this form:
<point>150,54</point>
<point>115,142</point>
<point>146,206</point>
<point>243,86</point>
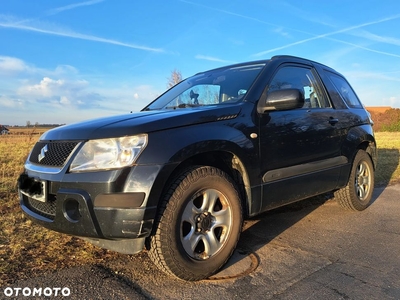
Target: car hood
<point>141,122</point>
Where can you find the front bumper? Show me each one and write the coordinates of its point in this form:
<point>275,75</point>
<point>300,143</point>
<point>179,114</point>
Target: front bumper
<point>73,213</point>
<point>109,208</point>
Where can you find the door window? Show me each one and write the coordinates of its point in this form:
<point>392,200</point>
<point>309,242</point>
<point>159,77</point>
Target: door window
<point>303,79</point>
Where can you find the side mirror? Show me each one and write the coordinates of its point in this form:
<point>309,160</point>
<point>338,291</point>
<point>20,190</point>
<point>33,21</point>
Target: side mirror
<point>281,100</point>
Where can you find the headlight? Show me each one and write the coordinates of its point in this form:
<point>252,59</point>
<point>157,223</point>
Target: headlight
<point>109,153</point>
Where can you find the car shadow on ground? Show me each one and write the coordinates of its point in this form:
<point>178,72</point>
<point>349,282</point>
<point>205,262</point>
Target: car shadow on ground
<point>262,229</point>
<point>275,221</point>
<point>267,226</point>
<point>388,162</point>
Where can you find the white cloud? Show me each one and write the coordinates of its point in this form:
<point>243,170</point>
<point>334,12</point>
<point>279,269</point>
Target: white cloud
<point>211,58</point>
<point>378,77</point>
<point>329,34</point>
<point>281,31</point>
<point>230,13</point>
<point>65,69</point>
<point>44,89</point>
<point>53,29</point>
<point>7,102</point>
<point>62,95</point>
<point>128,99</point>
<point>146,92</point>
<point>394,101</point>
<point>50,87</point>
<point>11,65</point>
<point>72,6</point>
<point>64,100</point>
<point>376,38</point>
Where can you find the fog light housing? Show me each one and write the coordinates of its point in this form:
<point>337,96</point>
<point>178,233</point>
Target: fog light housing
<point>71,210</point>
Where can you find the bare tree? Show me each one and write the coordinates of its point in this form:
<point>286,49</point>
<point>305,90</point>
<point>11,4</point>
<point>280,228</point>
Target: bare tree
<point>175,78</point>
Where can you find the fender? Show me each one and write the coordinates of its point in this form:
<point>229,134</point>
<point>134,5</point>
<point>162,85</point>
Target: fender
<point>359,137</point>
<point>181,144</point>
<point>356,136</point>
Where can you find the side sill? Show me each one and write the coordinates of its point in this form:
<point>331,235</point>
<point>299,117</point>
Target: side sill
<point>283,173</point>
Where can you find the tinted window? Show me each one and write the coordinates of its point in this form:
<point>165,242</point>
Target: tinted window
<point>202,94</point>
<point>216,87</point>
<point>302,79</point>
<point>345,90</point>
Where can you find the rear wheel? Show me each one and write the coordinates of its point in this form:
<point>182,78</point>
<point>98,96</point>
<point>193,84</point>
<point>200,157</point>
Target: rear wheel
<point>357,195</point>
<point>199,224</point>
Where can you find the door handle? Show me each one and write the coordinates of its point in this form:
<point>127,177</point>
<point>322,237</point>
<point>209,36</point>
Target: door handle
<point>333,121</point>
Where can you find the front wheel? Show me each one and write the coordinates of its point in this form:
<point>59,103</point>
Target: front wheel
<point>199,224</point>
<point>357,195</point>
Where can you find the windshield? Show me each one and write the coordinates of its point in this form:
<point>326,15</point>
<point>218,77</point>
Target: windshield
<point>221,86</point>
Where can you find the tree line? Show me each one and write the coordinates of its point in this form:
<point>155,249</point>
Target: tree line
<point>386,121</point>
<point>37,124</point>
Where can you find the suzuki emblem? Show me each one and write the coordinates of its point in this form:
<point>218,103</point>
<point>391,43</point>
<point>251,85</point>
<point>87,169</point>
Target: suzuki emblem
<point>42,153</point>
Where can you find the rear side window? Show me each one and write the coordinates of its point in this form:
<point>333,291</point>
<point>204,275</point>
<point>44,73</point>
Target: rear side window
<point>345,91</point>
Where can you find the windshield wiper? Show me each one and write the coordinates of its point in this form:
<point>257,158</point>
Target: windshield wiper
<point>182,105</point>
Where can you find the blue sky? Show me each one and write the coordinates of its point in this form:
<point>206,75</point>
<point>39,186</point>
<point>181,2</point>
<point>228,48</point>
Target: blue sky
<point>67,61</point>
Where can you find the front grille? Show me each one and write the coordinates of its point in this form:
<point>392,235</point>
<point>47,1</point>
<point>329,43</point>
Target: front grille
<point>46,209</point>
<point>52,154</point>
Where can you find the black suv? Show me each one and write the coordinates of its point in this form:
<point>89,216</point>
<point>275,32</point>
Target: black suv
<point>179,177</point>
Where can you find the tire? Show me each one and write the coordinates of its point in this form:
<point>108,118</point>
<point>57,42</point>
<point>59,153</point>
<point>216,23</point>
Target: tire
<point>357,195</point>
<point>199,224</point>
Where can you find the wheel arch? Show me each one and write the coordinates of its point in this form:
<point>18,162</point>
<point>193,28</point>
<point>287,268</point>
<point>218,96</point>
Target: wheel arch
<point>226,161</point>
<point>360,138</point>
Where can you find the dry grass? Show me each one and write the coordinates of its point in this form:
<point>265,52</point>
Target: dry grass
<point>31,131</point>
<point>27,249</point>
<point>388,169</point>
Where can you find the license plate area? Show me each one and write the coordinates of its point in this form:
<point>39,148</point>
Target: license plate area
<point>37,190</point>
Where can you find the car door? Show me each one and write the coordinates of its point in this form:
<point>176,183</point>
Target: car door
<point>299,148</point>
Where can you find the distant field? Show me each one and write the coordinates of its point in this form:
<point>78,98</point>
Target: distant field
<point>27,249</point>
<point>28,130</point>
